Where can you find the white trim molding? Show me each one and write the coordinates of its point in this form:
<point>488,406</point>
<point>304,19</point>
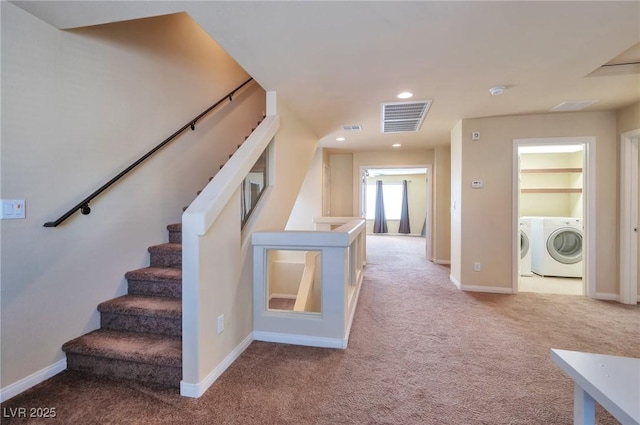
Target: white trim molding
<point>488,289</point>
<point>455,281</point>
<point>629,216</point>
<point>309,341</point>
<point>197,390</point>
<point>32,380</point>
<point>606,296</point>
<point>442,262</point>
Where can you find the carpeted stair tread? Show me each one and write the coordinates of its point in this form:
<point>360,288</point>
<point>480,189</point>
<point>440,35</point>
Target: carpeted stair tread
<point>168,248</point>
<point>156,274</point>
<point>176,227</point>
<point>175,232</point>
<point>153,349</point>
<point>166,255</point>
<point>155,282</point>
<point>136,305</point>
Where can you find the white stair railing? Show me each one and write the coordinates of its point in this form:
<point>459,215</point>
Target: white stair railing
<point>340,256</point>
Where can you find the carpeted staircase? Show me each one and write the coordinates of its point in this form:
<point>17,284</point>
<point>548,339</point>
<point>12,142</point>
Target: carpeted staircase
<point>140,335</point>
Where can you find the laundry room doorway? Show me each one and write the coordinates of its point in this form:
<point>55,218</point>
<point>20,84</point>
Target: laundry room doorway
<point>553,215</point>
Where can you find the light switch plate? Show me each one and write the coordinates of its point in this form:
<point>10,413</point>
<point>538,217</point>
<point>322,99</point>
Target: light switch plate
<point>12,209</point>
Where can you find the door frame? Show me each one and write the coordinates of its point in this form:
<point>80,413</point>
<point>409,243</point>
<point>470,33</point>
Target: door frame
<point>429,206</point>
<point>326,190</point>
<point>588,206</point>
<point>629,216</point>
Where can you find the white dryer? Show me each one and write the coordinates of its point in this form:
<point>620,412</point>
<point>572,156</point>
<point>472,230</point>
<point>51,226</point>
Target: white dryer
<point>525,246</point>
<point>557,246</point>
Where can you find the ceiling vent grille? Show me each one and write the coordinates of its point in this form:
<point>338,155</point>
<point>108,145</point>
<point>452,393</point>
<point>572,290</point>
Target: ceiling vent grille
<point>400,117</point>
<point>352,127</point>
<point>572,105</point>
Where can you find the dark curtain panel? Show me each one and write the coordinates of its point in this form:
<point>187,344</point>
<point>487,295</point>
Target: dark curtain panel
<point>404,227</point>
<point>380,220</point>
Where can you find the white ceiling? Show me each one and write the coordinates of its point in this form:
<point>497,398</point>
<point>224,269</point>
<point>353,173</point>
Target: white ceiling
<point>335,63</point>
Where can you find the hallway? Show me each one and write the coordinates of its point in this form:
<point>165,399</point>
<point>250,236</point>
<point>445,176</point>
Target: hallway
<point>420,352</point>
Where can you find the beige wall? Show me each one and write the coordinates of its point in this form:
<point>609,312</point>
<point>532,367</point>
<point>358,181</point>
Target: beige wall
<point>78,107</point>
<point>442,204</point>
<point>628,118</point>
<point>342,193</point>
<point>309,202</point>
<point>486,227</point>
<point>295,145</point>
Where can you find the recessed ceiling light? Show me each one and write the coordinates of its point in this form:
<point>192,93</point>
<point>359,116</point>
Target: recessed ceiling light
<point>396,145</point>
<point>405,95</point>
<point>497,91</point>
<point>341,139</point>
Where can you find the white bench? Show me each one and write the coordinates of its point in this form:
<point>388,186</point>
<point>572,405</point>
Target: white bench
<point>612,381</point>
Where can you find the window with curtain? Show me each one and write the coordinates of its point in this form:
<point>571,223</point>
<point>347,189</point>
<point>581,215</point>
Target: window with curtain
<point>404,226</point>
<point>392,194</point>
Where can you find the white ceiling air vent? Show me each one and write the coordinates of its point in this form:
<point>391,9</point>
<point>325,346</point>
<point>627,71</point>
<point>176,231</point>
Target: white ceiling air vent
<point>572,105</point>
<point>352,127</point>
<point>403,116</point>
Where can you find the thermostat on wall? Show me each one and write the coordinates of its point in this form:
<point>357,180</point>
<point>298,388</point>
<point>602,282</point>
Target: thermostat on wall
<point>476,184</point>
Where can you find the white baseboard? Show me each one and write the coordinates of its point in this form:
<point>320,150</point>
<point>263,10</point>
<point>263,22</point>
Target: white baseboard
<point>443,262</point>
<point>489,289</point>
<point>479,288</point>
<point>197,390</point>
<point>606,296</point>
<point>309,341</point>
<point>32,380</point>
<point>455,281</point>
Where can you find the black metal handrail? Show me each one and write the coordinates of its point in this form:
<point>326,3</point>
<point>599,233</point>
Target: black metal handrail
<point>83,205</point>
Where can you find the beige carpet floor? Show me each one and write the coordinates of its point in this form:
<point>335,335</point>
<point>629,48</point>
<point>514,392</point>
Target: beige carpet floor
<point>420,352</point>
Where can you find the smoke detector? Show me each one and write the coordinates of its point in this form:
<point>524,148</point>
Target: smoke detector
<point>497,91</point>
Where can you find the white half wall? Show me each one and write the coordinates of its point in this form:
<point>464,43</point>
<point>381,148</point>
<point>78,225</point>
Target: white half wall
<point>219,279</point>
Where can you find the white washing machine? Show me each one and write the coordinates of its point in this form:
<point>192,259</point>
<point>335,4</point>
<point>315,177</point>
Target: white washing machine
<point>525,246</point>
<point>556,246</point>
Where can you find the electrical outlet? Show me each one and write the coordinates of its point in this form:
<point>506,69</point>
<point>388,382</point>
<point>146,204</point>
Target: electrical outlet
<point>220,324</point>
<point>476,266</point>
